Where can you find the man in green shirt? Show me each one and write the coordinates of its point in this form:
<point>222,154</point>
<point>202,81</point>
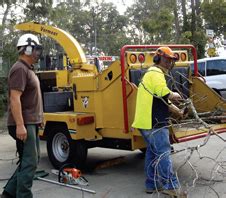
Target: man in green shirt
<point>151,118</point>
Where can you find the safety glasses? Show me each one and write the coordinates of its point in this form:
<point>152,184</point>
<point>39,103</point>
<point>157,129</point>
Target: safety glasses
<point>38,50</point>
<point>168,60</point>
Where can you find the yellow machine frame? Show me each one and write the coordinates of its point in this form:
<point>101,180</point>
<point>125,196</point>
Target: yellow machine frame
<point>103,103</point>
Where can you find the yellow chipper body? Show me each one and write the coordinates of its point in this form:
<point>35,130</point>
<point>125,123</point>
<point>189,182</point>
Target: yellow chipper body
<point>86,108</point>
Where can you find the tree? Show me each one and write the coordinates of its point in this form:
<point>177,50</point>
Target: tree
<point>97,27</point>
<point>198,38</point>
<point>6,11</point>
<point>110,29</point>
<point>160,32</point>
<point>38,11</point>
<point>214,15</point>
<point>137,13</point>
<point>154,19</point>
<point>185,17</point>
<point>169,21</point>
<point>176,21</point>
<point>62,16</point>
<point>7,41</point>
<point>64,13</point>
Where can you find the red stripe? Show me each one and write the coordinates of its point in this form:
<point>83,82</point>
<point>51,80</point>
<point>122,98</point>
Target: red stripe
<point>193,137</point>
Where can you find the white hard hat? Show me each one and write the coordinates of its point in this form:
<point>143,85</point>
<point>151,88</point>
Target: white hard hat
<point>28,39</point>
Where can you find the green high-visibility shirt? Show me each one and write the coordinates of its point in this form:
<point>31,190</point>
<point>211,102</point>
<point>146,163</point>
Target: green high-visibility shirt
<point>153,83</point>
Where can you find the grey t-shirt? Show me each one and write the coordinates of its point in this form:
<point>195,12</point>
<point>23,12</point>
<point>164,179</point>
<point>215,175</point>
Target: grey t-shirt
<point>22,78</point>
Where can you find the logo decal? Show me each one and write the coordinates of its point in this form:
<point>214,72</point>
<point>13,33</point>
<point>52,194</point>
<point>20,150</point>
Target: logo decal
<point>48,31</point>
<point>85,101</point>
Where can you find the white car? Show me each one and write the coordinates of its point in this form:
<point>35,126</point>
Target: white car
<point>214,71</point>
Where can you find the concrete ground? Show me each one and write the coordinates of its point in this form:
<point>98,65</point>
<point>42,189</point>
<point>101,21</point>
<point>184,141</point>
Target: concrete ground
<point>126,179</point>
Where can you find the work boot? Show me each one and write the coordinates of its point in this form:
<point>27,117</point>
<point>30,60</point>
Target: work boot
<point>175,193</point>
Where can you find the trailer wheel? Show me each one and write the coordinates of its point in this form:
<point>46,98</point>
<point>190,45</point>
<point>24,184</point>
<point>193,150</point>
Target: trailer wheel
<point>63,150</point>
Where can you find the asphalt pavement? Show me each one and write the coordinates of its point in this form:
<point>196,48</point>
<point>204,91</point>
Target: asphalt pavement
<point>203,175</point>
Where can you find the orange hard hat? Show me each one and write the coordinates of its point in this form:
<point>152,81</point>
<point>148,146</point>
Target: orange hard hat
<point>165,51</point>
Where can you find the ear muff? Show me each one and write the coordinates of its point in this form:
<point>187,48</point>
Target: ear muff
<point>156,59</point>
<point>28,50</point>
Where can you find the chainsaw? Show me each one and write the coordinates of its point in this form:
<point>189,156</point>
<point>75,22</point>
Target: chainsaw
<point>70,176</point>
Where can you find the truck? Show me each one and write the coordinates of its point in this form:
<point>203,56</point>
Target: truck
<point>84,108</point>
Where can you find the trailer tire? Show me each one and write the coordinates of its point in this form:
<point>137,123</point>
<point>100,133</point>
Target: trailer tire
<point>63,150</point>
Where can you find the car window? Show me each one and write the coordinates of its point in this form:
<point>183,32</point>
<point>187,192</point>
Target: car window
<point>201,68</point>
<point>216,67</point>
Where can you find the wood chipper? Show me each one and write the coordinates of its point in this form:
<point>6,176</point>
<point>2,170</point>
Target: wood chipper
<point>86,108</point>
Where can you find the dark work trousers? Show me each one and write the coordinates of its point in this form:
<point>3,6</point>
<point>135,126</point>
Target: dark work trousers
<point>19,185</point>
